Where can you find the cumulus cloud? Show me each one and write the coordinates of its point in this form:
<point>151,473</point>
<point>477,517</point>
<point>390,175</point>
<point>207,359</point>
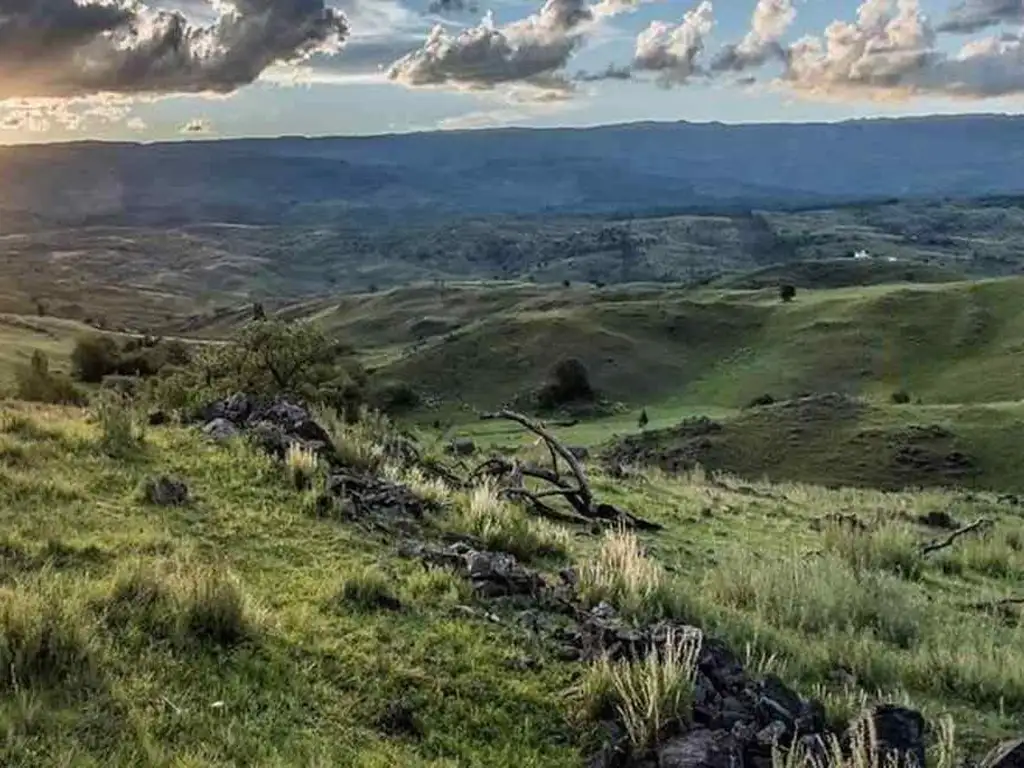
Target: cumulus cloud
<point>672,51</point>
<point>885,48</point>
<point>769,23</point>
<point>973,15</point>
<point>484,56</point>
<point>69,48</point>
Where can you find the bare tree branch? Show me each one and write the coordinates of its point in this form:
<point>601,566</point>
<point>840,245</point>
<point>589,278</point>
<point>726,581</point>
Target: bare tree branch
<point>935,546</point>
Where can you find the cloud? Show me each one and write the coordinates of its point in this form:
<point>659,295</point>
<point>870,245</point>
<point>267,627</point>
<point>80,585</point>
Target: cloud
<point>485,56</point>
<point>69,48</point>
<point>973,15</point>
<point>196,125</point>
<point>136,124</point>
<point>672,51</point>
<point>611,72</point>
<point>453,6</point>
<point>769,23</point>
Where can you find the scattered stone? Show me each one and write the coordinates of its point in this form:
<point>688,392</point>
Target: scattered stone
<point>899,731</point>
<point>166,491</point>
<point>773,734</point>
<point>776,702</point>
<point>493,574</point>
<point>701,748</point>
<point>579,452</point>
<point>220,429</point>
<point>614,751</point>
<point>1009,754</point>
<point>376,496</point>
<point>462,446</point>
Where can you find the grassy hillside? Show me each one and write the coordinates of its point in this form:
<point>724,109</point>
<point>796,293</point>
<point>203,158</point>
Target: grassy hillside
<point>240,628</point>
<point>945,343</point>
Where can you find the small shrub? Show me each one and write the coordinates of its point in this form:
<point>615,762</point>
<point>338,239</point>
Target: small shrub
<point>646,695</point>
<point>622,575</point>
<point>93,357</point>
<point>123,432</point>
<point>901,397</point>
<point>395,397</point>
<point>568,382</point>
<point>36,383</point>
<point>125,386</point>
<point>369,589</point>
<point>787,293</point>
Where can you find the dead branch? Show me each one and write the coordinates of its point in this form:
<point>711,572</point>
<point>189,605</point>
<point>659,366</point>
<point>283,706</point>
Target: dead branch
<point>935,546</point>
<point>554,445</point>
<point>987,605</point>
<point>578,495</point>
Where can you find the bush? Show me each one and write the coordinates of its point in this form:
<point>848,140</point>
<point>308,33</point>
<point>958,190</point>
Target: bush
<point>268,359</point>
<point>125,386</point>
<point>901,397</point>
<point>94,357</point>
<point>122,430</point>
<point>36,383</point>
<point>568,382</point>
<point>395,397</point>
<point>787,292</point>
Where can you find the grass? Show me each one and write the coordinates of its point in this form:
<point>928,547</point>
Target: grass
<point>647,695</point>
<point>502,526</point>
<point>212,633</point>
<point>621,574</point>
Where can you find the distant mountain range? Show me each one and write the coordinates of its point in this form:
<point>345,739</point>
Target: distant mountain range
<point>624,169</point>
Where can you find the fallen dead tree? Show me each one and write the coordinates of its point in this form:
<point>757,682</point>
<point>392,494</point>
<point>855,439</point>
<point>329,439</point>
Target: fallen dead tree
<point>571,485</point>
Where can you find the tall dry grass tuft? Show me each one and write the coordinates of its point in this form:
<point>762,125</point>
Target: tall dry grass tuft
<point>301,463</point>
<point>504,527</point>
<point>622,575</point>
<point>647,695</point>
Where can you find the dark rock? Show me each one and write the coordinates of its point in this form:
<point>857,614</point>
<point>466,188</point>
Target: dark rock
<point>166,492</point>
<point>493,574</point>
<point>579,452</point>
<point>899,732</point>
<point>815,749</point>
<point>373,495</point>
<point>1009,754</point>
<point>157,418</point>
<point>776,701</point>
<point>701,748</point>
<point>235,409</point>
<point>735,710</point>
<point>615,748</point>
<point>462,446</point>
<point>220,429</point>
<point>270,438</point>
<point>773,735</point>
<point>812,718</point>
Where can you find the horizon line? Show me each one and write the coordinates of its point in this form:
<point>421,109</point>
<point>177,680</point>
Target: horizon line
<point>935,116</point>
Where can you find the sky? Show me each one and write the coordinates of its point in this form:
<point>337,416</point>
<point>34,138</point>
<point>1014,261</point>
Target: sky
<point>185,69</point>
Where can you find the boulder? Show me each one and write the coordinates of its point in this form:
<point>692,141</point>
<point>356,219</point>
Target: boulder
<point>220,429</point>
<point>1009,754</point>
<point>701,748</point>
<point>462,446</point>
<point>166,491</point>
<point>899,732</point>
